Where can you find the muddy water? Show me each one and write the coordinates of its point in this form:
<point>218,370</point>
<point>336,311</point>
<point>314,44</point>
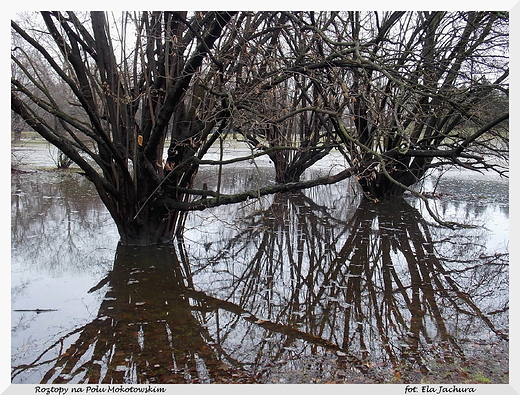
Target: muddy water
<point>316,286</point>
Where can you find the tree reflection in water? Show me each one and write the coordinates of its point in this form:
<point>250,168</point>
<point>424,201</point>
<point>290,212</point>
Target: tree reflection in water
<point>148,329</point>
<point>392,299</point>
<point>368,298</point>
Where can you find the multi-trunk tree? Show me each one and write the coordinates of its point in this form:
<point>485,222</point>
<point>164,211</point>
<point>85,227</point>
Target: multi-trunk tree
<point>142,98</point>
<point>413,91</point>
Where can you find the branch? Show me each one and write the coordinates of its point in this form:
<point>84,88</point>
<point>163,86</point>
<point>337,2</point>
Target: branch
<point>220,200</point>
<point>198,161</point>
<point>19,107</point>
<point>175,94</point>
<point>83,91</point>
<point>381,160</point>
<point>264,151</point>
<point>480,132</point>
<point>453,153</point>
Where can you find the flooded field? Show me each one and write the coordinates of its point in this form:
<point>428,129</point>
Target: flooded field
<point>311,287</point>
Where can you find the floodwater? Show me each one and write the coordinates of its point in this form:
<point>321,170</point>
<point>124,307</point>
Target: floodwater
<point>310,287</point>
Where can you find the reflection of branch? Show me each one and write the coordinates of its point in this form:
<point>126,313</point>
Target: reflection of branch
<point>370,290</point>
<point>466,298</point>
<point>344,295</point>
<point>22,368</point>
<point>292,233</point>
<point>145,330</point>
<point>100,284</point>
<point>284,329</point>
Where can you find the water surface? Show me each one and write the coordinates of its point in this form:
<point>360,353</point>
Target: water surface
<point>315,286</point>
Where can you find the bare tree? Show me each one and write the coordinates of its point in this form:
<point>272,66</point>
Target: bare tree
<point>127,96</point>
<point>419,90</point>
<point>148,94</point>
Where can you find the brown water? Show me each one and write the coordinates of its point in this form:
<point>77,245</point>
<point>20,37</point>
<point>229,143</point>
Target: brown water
<point>295,288</point>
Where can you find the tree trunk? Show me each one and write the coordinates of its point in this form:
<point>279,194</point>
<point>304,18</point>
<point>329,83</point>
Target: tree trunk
<point>291,170</point>
<point>378,186</point>
<point>402,174</point>
<point>151,226</point>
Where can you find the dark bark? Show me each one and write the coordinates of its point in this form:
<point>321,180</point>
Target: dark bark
<point>129,149</point>
<point>389,90</point>
<point>409,168</point>
<point>217,199</point>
